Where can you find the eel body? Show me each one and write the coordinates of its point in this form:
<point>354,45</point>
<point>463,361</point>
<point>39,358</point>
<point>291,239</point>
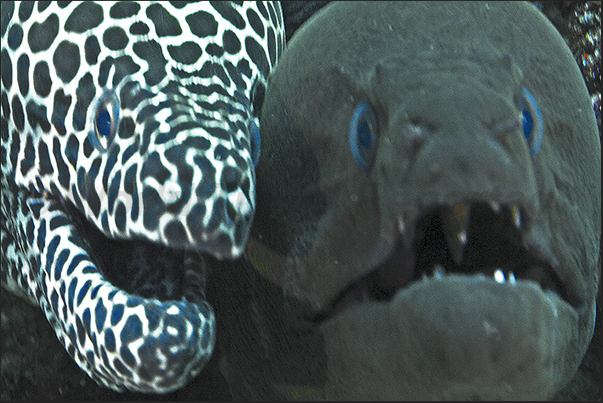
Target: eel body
<point>129,122</point>
<point>429,210</point>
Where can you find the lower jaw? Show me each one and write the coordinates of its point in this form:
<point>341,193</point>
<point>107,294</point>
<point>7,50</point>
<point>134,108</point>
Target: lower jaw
<point>455,337</point>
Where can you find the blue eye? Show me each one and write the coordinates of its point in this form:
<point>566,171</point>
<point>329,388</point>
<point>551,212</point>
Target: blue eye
<point>105,123</point>
<point>363,135</point>
<point>531,121</point>
<point>255,143</point>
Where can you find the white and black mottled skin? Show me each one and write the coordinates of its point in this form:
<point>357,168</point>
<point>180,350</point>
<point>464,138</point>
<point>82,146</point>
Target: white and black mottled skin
<point>173,166</point>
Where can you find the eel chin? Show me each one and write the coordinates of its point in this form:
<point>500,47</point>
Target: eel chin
<point>464,307</point>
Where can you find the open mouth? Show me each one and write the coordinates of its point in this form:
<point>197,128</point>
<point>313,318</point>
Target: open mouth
<point>474,239</point>
<point>143,268</point>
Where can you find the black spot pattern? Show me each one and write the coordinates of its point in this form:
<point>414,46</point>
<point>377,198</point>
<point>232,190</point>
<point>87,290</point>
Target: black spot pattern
<point>152,210</point>
<point>194,220</point>
<point>257,55</point>
<point>214,50</point>
<point>120,216</point>
<point>255,22</point>
<point>29,159</point>
<point>207,185</point>
<point>227,11</point>
<point>60,108</point>
<point>105,68</point>
<point>89,192</point>
<point>7,69</point>
<point>131,188</point>
<point>42,35</point>
<point>151,52</point>
<point>62,168</point>
<point>124,9</point>
<point>230,179</point>
<point>91,50</point>
<point>66,61</point>
<point>41,79</point>
<point>124,67</point>
<point>5,114</point>
<point>84,17</point>
<point>71,150</point>
<point>111,161</point>
<point>43,5</point>
<point>25,10</point>
<point>37,116</point>
<point>15,37</point>
<point>231,42</point>
<point>210,69</point>
<point>126,128</point>
<point>85,92</point>
<point>139,28</point>
<point>44,164</point>
<point>153,167</point>
<point>187,53</point>
<point>18,115</point>
<point>113,191</point>
<point>23,74</point>
<point>272,45</point>
<point>202,24</point>
<point>165,24</point>
<point>115,38</point>
<point>175,232</point>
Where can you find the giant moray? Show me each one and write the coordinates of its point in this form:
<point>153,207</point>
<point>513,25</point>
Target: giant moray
<point>429,208</point>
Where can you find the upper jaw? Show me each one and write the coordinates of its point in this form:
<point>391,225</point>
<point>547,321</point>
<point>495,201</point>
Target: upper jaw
<point>472,238</point>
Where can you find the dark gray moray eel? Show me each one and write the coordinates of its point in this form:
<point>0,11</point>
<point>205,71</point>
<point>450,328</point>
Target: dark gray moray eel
<point>429,208</point>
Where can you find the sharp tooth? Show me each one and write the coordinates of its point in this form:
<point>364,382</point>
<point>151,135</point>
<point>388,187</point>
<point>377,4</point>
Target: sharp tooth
<point>499,276</point>
<point>462,237</point>
<point>516,216</point>
<point>512,279</point>
<point>438,271</point>
<point>406,225</point>
<point>454,224</point>
<point>494,206</point>
<point>401,225</point>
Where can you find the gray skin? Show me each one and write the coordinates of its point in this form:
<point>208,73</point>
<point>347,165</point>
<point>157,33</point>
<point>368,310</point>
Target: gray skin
<point>444,80</point>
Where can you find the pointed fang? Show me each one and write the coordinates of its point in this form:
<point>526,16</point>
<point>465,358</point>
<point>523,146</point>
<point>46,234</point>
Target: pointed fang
<point>516,216</point>
<point>494,206</point>
<point>499,276</point>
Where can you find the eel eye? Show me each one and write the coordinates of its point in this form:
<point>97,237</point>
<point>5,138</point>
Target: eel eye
<point>531,120</point>
<point>363,135</point>
<point>255,143</point>
<point>105,123</point>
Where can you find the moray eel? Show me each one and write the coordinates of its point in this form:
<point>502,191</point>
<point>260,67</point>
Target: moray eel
<point>129,122</point>
<point>429,208</point>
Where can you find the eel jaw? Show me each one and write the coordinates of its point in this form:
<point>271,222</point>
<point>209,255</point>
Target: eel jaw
<point>483,239</point>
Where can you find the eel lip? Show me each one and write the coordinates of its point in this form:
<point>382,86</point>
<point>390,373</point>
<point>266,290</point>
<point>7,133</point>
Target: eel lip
<point>472,238</point>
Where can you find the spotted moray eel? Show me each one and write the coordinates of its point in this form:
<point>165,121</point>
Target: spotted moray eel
<point>136,120</point>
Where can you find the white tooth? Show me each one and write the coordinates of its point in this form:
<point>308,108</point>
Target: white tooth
<point>516,216</point>
<point>406,225</point>
<point>499,276</point>
<point>462,237</point>
<point>438,271</point>
<point>512,279</point>
<point>454,225</point>
<point>494,206</point>
<point>401,226</point>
